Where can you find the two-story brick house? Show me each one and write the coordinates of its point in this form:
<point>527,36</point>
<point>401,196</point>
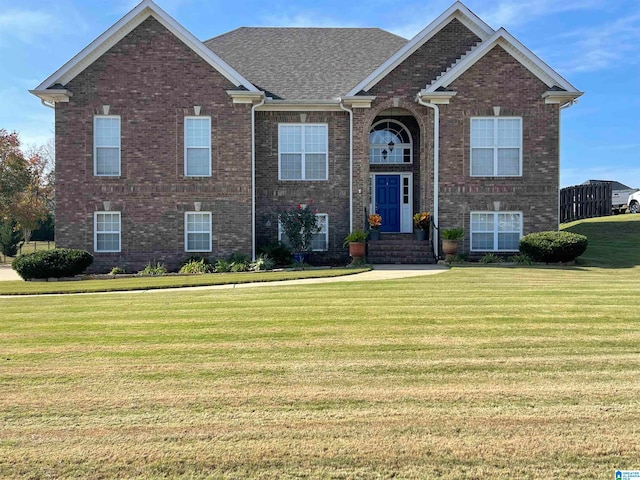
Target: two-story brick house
<point>168,146</point>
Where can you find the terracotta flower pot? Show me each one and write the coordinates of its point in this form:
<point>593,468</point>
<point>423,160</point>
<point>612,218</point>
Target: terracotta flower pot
<point>357,249</point>
<point>449,247</point>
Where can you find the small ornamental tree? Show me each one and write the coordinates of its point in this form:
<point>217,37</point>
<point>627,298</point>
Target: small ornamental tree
<point>10,237</point>
<point>299,225</point>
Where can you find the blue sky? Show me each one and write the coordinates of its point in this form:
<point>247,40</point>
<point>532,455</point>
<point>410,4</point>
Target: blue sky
<point>595,44</point>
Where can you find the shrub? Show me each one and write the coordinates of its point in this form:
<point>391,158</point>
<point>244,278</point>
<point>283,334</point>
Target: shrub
<point>196,266</point>
<point>117,271</point>
<point>553,247</point>
<point>490,258</point>
<point>157,269</point>
<point>195,258</point>
<point>263,262</point>
<point>280,254</point>
<point>222,266</point>
<point>10,237</point>
<point>56,263</point>
<point>520,259</point>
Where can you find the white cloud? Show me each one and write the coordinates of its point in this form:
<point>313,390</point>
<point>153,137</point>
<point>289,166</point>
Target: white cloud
<point>510,12</point>
<point>605,45</point>
<point>25,25</point>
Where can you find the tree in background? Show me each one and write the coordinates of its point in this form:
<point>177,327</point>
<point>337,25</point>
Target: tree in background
<point>26,186</point>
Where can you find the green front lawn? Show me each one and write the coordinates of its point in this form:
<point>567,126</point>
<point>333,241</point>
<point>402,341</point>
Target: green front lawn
<point>19,287</point>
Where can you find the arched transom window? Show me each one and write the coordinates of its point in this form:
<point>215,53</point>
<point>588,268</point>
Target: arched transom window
<point>390,142</point>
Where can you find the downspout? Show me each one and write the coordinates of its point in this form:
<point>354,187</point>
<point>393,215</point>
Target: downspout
<point>562,107</point>
<point>436,161</point>
<point>350,111</point>
<point>44,102</point>
<point>253,177</point>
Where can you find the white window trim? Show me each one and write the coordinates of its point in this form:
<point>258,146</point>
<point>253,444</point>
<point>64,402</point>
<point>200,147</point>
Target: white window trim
<point>209,147</point>
<point>495,147</point>
<point>303,153</point>
<point>410,144</point>
<point>95,147</point>
<point>95,232</point>
<point>186,232</point>
<point>495,229</point>
<point>326,233</point>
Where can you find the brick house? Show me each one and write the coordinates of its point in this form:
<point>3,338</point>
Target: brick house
<point>168,146</point>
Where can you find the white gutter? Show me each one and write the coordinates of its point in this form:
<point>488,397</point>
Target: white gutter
<point>436,161</point>
<point>46,104</point>
<point>253,177</point>
<point>350,163</point>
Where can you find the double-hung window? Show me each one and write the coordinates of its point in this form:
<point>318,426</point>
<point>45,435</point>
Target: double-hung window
<point>302,152</point>
<point>106,232</point>
<point>106,145</point>
<point>319,240</point>
<point>197,146</point>
<point>496,231</point>
<point>197,231</point>
<point>496,147</point>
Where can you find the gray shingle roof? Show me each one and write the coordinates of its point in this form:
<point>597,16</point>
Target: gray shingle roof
<point>305,63</point>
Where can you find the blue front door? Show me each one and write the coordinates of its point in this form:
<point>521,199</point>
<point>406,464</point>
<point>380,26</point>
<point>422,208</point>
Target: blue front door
<point>388,201</point>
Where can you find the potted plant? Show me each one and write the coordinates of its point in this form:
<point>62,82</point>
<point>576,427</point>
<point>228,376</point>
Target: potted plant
<point>450,239</point>
<point>422,221</point>
<point>356,243</point>
<point>375,221</point>
<point>299,225</point>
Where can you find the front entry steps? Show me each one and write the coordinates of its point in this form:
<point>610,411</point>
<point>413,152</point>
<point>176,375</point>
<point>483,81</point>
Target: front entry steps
<point>400,248</point>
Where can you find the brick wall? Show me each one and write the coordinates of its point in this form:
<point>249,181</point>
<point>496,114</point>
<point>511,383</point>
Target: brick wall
<point>330,196</point>
<point>500,80</point>
<point>152,80</point>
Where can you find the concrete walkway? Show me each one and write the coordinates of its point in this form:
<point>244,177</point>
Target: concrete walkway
<point>8,273</point>
<point>379,272</point>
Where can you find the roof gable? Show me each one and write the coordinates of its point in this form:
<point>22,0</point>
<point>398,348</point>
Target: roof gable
<point>517,50</point>
<point>456,11</point>
<point>123,27</point>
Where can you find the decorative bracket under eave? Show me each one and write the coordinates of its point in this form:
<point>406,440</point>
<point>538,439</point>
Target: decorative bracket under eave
<point>358,101</point>
<point>439,97</point>
<point>53,95</point>
<point>561,97</point>
<point>244,96</point>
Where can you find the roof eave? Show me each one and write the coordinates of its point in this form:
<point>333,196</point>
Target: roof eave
<point>516,49</point>
<point>125,25</point>
<point>53,95</point>
<point>457,10</point>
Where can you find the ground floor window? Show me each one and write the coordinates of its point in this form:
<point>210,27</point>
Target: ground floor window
<point>106,233</point>
<point>197,231</point>
<point>496,231</point>
<point>320,240</point>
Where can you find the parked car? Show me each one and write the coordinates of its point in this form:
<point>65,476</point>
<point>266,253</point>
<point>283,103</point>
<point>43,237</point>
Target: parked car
<point>633,202</point>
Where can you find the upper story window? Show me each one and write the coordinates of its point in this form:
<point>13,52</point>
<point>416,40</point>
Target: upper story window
<point>303,152</point>
<point>496,147</point>
<point>496,231</point>
<point>197,146</point>
<point>319,240</point>
<point>390,142</point>
<point>197,232</point>
<point>106,145</point>
<point>106,232</point>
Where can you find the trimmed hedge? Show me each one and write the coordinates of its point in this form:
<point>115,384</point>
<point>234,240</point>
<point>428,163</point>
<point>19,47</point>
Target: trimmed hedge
<point>56,263</point>
<point>553,247</point>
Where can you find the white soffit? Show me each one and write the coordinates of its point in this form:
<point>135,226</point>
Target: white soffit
<point>123,27</point>
<point>517,50</point>
<point>458,11</point>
